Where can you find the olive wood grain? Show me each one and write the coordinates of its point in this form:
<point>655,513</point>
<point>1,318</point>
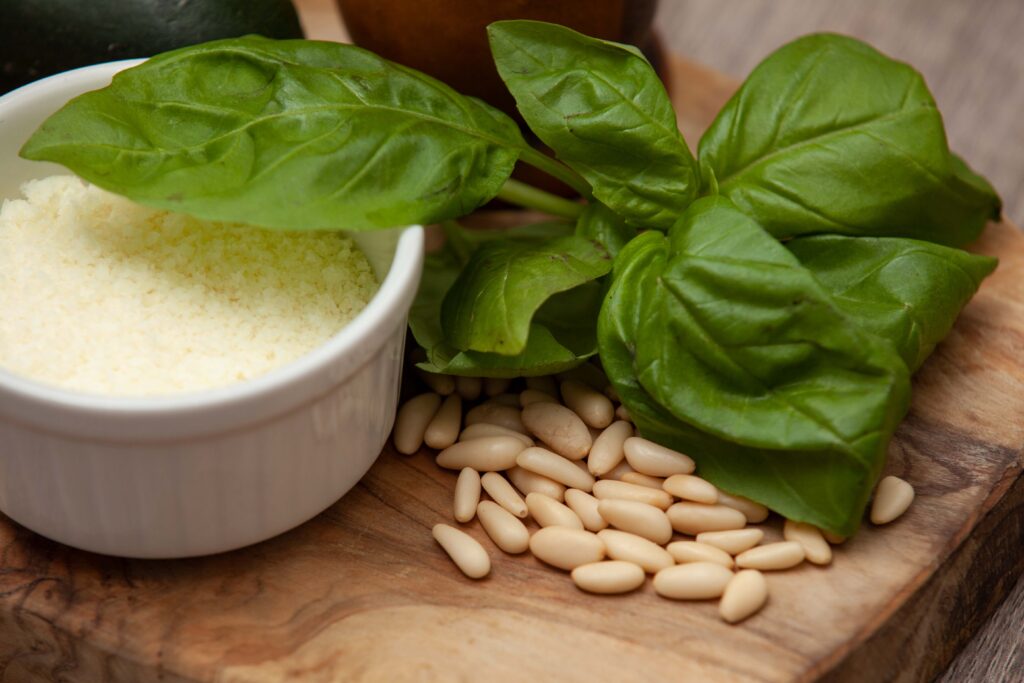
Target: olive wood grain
<point>362,592</point>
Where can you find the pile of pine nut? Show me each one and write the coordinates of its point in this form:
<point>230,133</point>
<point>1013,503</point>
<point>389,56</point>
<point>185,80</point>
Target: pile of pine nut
<point>598,491</point>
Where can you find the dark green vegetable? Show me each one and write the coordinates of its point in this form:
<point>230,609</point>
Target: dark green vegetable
<point>494,298</point>
<point>621,314</point>
<point>604,111</point>
<point>285,134</point>
<point>827,135</point>
<point>604,226</point>
<point>562,333</point>
<point>906,291</point>
<point>794,401</point>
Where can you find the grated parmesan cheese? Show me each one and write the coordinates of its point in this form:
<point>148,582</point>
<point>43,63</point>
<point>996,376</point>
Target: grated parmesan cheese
<point>101,295</point>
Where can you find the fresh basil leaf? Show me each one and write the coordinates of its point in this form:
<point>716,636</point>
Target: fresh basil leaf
<point>603,110</point>
<point>292,134</point>
<point>907,291</point>
<point>620,317</point>
<point>442,267</point>
<point>827,135</point>
<point>490,306</point>
<point>962,204</point>
<point>604,226</point>
<point>561,336</point>
<point>771,387</point>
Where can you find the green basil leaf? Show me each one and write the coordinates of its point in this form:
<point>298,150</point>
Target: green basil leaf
<point>603,110</point>
<point>561,336</point>
<point>771,387</point>
<point>963,203</point>
<point>827,135</point>
<point>604,226</point>
<point>442,267</point>
<point>620,317</point>
<point>491,304</point>
<point>907,291</point>
<point>291,134</point>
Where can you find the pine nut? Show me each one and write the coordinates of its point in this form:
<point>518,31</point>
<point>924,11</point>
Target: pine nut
<point>530,482</point>
<point>744,596</point>
<point>467,494</point>
<point>593,407</point>
<point>467,554</point>
<point>622,545</point>
<point>617,472</point>
<point>643,480</point>
<point>816,548</point>
<point>692,551</point>
<point>622,413</point>
<point>496,414</point>
<point>412,420</point>
<point>469,388</point>
<point>555,467</point>
<point>637,518</point>
<point>754,512</point>
<point>545,383</point>
<point>488,454</point>
<point>566,548</point>
<point>443,430</point>
<point>503,494</point>
<point>496,385</point>
<point>585,507</point>
<point>529,396</point>
<point>608,578</point>
<point>647,457</point>
<point>606,452</point>
<point>834,539</point>
<point>439,384</point>
<point>549,512</point>
<point>692,581</point>
<point>689,487</point>
<point>621,490</point>
<point>892,498</point>
<point>695,518</point>
<point>507,532</point>
<point>560,428</point>
<point>482,429</point>
<point>771,556</point>
<point>733,542</point>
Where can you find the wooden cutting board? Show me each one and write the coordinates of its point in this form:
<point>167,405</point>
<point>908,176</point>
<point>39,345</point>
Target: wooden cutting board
<point>362,593</point>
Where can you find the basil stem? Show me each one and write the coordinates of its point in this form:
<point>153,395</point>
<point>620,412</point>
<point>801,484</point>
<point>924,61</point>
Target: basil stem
<point>556,169</point>
<point>530,197</point>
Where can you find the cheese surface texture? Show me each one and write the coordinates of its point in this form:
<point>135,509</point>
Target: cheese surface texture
<point>101,295</point>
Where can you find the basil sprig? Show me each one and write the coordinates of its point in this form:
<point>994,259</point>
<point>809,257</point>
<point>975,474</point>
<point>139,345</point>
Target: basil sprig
<point>782,367</point>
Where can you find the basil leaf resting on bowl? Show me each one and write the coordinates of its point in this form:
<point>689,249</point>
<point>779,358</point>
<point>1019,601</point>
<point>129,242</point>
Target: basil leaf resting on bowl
<point>759,307</point>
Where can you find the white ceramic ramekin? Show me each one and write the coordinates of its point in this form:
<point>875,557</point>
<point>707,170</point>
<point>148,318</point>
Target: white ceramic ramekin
<point>206,472</point>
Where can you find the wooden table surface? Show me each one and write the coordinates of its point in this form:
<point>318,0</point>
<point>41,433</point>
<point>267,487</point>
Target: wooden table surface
<point>968,53</point>
<point>965,50</point>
